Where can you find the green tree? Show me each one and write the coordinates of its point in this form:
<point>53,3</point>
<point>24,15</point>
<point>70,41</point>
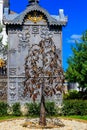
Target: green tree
<point>77,69</point>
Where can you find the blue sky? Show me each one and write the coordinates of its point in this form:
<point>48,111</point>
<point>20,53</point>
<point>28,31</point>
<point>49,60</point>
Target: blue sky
<point>76,10</point>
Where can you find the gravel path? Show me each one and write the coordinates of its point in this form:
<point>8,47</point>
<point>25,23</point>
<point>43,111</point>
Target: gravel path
<point>18,125</point>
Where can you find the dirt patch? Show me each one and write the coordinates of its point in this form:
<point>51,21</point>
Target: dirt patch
<point>52,124</point>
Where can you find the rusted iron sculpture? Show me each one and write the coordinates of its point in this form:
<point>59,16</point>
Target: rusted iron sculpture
<point>44,74</point>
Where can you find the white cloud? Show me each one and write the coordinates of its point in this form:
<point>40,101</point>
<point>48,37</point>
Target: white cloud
<point>70,41</point>
<point>73,38</point>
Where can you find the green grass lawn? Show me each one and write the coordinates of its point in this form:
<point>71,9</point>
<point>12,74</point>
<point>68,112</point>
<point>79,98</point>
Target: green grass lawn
<point>10,117</point>
<point>64,117</point>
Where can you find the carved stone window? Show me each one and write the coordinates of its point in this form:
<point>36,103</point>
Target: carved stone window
<point>45,33</point>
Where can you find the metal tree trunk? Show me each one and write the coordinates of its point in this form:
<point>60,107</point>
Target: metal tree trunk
<point>42,120</point>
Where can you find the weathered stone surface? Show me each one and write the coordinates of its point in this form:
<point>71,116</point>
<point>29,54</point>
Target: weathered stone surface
<point>3,88</point>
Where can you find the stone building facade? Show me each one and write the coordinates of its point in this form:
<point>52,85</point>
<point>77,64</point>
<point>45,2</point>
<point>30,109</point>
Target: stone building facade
<point>27,29</point>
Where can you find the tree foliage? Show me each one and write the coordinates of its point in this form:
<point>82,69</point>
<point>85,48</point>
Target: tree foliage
<point>77,69</point>
<point>43,68</point>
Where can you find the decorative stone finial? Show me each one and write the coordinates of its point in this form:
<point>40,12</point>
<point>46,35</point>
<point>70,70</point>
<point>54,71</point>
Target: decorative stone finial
<point>61,13</point>
<point>33,1</point>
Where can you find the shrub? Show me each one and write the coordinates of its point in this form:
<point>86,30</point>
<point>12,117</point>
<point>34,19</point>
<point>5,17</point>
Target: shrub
<point>74,107</point>
<point>33,109</point>
<point>71,95</point>
<point>75,95</point>
<point>50,108</point>
<point>3,108</point>
<point>16,109</point>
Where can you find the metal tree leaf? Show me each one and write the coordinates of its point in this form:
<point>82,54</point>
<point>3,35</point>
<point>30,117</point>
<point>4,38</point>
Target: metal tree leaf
<point>34,68</point>
<point>33,81</point>
<point>51,81</point>
<point>54,91</point>
<point>41,50</point>
<point>41,44</point>
<point>30,95</point>
<point>38,86</point>
<point>53,49</point>
<point>51,93</point>
<point>59,88</point>
<point>46,93</point>
<point>49,73</point>
<point>25,91</point>
<point>45,60</point>
<point>51,65</point>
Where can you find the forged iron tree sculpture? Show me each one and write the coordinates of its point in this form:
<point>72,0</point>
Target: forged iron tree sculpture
<point>44,74</point>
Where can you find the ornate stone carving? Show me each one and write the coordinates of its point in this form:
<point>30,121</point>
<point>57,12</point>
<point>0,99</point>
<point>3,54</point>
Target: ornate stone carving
<point>12,96</point>
<point>12,31</point>
<point>24,36</point>
<point>35,29</point>
<point>35,17</point>
<point>45,33</point>
<point>12,71</point>
<point>23,39</point>
<point>3,93</point>
<point>12,51</point>
<point>57,32</point>
<point>12,91</point>
<point>11,80</point>
<point>21,92</point>
<point>12,86</point>
<point>26,28</point>
<point>58,51</point>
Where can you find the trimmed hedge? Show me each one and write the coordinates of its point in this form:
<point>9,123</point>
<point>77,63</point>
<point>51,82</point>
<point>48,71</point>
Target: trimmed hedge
<point>74,107</point>
<point>16,109</point>
<point>34,109</point>
<point>3,109</point>
<point>70,107</point>
<point>50,108</point>
<point>75,95</point>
